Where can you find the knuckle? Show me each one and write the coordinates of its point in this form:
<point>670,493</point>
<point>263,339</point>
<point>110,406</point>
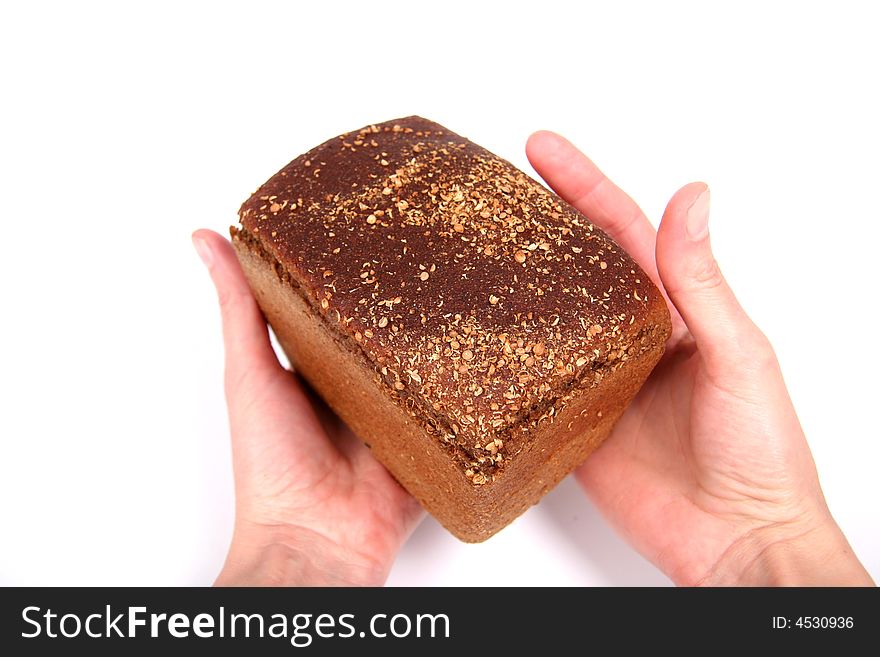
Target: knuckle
<point>760,347</point>
<point>232,300</point>
<point>706,274</point>
<point>245,385</point>
<point>745,355</point>
<point>226,298</point>
<point>624,222</point>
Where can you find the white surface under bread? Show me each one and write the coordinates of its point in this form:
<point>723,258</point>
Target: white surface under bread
<point>124,130</point>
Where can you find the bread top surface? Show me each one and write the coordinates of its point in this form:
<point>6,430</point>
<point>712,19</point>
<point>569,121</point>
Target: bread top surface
<point>479,296</point>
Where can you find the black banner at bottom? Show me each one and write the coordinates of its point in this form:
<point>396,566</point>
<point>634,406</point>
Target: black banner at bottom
<point>333,621</point>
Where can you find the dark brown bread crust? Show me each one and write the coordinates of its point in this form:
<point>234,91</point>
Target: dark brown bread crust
<point>483,306</point>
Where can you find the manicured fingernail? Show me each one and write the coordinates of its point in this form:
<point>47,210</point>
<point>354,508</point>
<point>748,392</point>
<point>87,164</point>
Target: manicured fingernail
<point>698,217</point>
<point>204,251</point>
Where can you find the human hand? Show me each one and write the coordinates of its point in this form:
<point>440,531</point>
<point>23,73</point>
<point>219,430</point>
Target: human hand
<point>708,473</point>
<point>312,505</point>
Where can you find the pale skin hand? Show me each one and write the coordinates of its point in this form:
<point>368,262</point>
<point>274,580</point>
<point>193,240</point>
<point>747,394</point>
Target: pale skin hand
<point>707,474</point>
<point>313,507</point>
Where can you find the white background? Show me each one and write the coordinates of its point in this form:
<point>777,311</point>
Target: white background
<point>123,129</point>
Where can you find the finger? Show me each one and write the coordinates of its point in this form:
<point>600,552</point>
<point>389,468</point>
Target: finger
<point>580,182</point>
<point>694,281</point>
<point>245,336</point>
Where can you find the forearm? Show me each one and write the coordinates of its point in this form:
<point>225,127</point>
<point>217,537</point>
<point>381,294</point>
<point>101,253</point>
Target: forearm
<point>789,556</point>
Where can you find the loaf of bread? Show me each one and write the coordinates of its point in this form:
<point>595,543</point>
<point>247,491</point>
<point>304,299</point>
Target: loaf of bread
<point>478,333</point>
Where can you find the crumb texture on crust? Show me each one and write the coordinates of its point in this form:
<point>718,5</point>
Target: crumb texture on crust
<point>481,299</point>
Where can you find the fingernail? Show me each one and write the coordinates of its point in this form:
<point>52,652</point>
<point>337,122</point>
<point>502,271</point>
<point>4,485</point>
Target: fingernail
<point>698,217</point>
<point>204,251</point>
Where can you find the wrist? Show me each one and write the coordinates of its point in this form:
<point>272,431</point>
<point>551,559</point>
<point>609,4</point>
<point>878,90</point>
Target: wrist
<point>272,556</point>
<point>790,554</point>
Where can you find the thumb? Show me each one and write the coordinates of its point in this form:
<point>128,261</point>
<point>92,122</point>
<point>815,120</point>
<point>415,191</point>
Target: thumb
<point>252,379</point>
<point>245,336</point>
<point>694,282</point>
